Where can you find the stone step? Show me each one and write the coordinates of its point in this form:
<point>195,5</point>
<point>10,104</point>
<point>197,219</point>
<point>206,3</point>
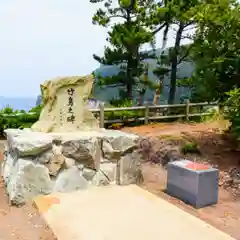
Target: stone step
<point>120,213</point>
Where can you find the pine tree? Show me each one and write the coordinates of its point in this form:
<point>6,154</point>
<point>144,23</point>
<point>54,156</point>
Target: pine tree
<point>180,16</point>
<point>127,34</point>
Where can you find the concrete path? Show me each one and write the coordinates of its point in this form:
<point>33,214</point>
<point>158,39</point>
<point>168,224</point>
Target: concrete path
<point>121,213</point>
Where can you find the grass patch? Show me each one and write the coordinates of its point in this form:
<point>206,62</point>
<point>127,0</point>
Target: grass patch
<point>171,137</point>
<point>190,147</point>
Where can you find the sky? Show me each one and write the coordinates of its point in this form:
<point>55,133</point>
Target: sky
<point>40,40</point>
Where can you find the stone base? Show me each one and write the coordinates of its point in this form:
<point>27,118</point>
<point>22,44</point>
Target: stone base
<point>38,163</point>
<point>194,184</point>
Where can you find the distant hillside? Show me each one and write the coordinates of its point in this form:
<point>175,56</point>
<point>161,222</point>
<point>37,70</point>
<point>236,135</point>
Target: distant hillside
<point>39,100</point>
<point>185,69</point>
<point>105,94</point>
<point>17,103</point>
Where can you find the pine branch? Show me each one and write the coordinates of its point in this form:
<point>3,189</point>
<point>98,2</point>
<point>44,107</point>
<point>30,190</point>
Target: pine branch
<point>159,29</point>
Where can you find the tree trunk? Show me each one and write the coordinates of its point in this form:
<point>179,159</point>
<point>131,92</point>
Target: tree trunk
<point>157,93</point>
<point>141,99</point>
<point>129,91</point>
<point>174,64</point>
<point>156,97</point>
<point>129,86</point>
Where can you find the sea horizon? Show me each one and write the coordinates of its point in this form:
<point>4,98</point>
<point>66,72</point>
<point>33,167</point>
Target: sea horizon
<point>18,103</point>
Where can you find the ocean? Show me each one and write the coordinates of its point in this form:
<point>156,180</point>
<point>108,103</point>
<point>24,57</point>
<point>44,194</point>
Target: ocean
<point>18,103</point>
<point>28,103</point>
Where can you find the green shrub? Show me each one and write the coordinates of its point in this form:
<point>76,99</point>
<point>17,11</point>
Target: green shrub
<point>190,147</point>
<point>37,109</point>
<point>121,103</point>
<point>233,112</point>
<point>123,115</point>
<point>16,119</point>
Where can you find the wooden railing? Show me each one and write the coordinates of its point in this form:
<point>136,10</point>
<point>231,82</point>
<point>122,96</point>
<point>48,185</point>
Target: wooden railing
<point>146,109</point>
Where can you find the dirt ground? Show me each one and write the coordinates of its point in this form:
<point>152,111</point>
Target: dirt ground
<point>25,224</point>
<point>216,150</point>
<point>224,216</point>
<point>156,130</point>
<point>20,223</point>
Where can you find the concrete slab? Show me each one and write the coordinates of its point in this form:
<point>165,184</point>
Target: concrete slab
<point>121,213</point>
<point>194,183</point>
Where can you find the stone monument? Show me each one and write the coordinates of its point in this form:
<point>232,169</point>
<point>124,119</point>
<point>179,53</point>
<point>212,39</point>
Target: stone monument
<point>65,107</point>
<point>66,150</point>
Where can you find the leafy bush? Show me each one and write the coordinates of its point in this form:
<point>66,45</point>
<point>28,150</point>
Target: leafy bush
<point>37,109</point>
<point>123,115</point>
<point>233,112</point>
<point>190,147</point>
<point>16,119</point>
<point>121,103</point>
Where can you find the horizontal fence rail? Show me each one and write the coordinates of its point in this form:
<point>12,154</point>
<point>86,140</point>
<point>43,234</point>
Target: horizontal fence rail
<point>146,112</point>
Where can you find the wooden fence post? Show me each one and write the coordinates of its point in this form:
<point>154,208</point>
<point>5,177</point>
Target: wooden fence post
<point>101,107</point>
<point>146,114</point>
<point>187,109</point>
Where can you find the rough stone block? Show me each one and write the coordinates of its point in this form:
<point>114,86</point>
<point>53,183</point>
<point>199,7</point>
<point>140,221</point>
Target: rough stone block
<point>70,180</point>
<point>27,180</point>
<point>193,183</point>
<point>65,105</point>
<point>40,163</point>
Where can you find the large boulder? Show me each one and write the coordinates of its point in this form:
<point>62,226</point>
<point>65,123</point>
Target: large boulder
<point>85,151</point>
<point>130,166</point>
<point>40,163</point>
<point>65,105</point>
<point>27,180</point>
<point>30,143</point>
<point>69,180</point>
